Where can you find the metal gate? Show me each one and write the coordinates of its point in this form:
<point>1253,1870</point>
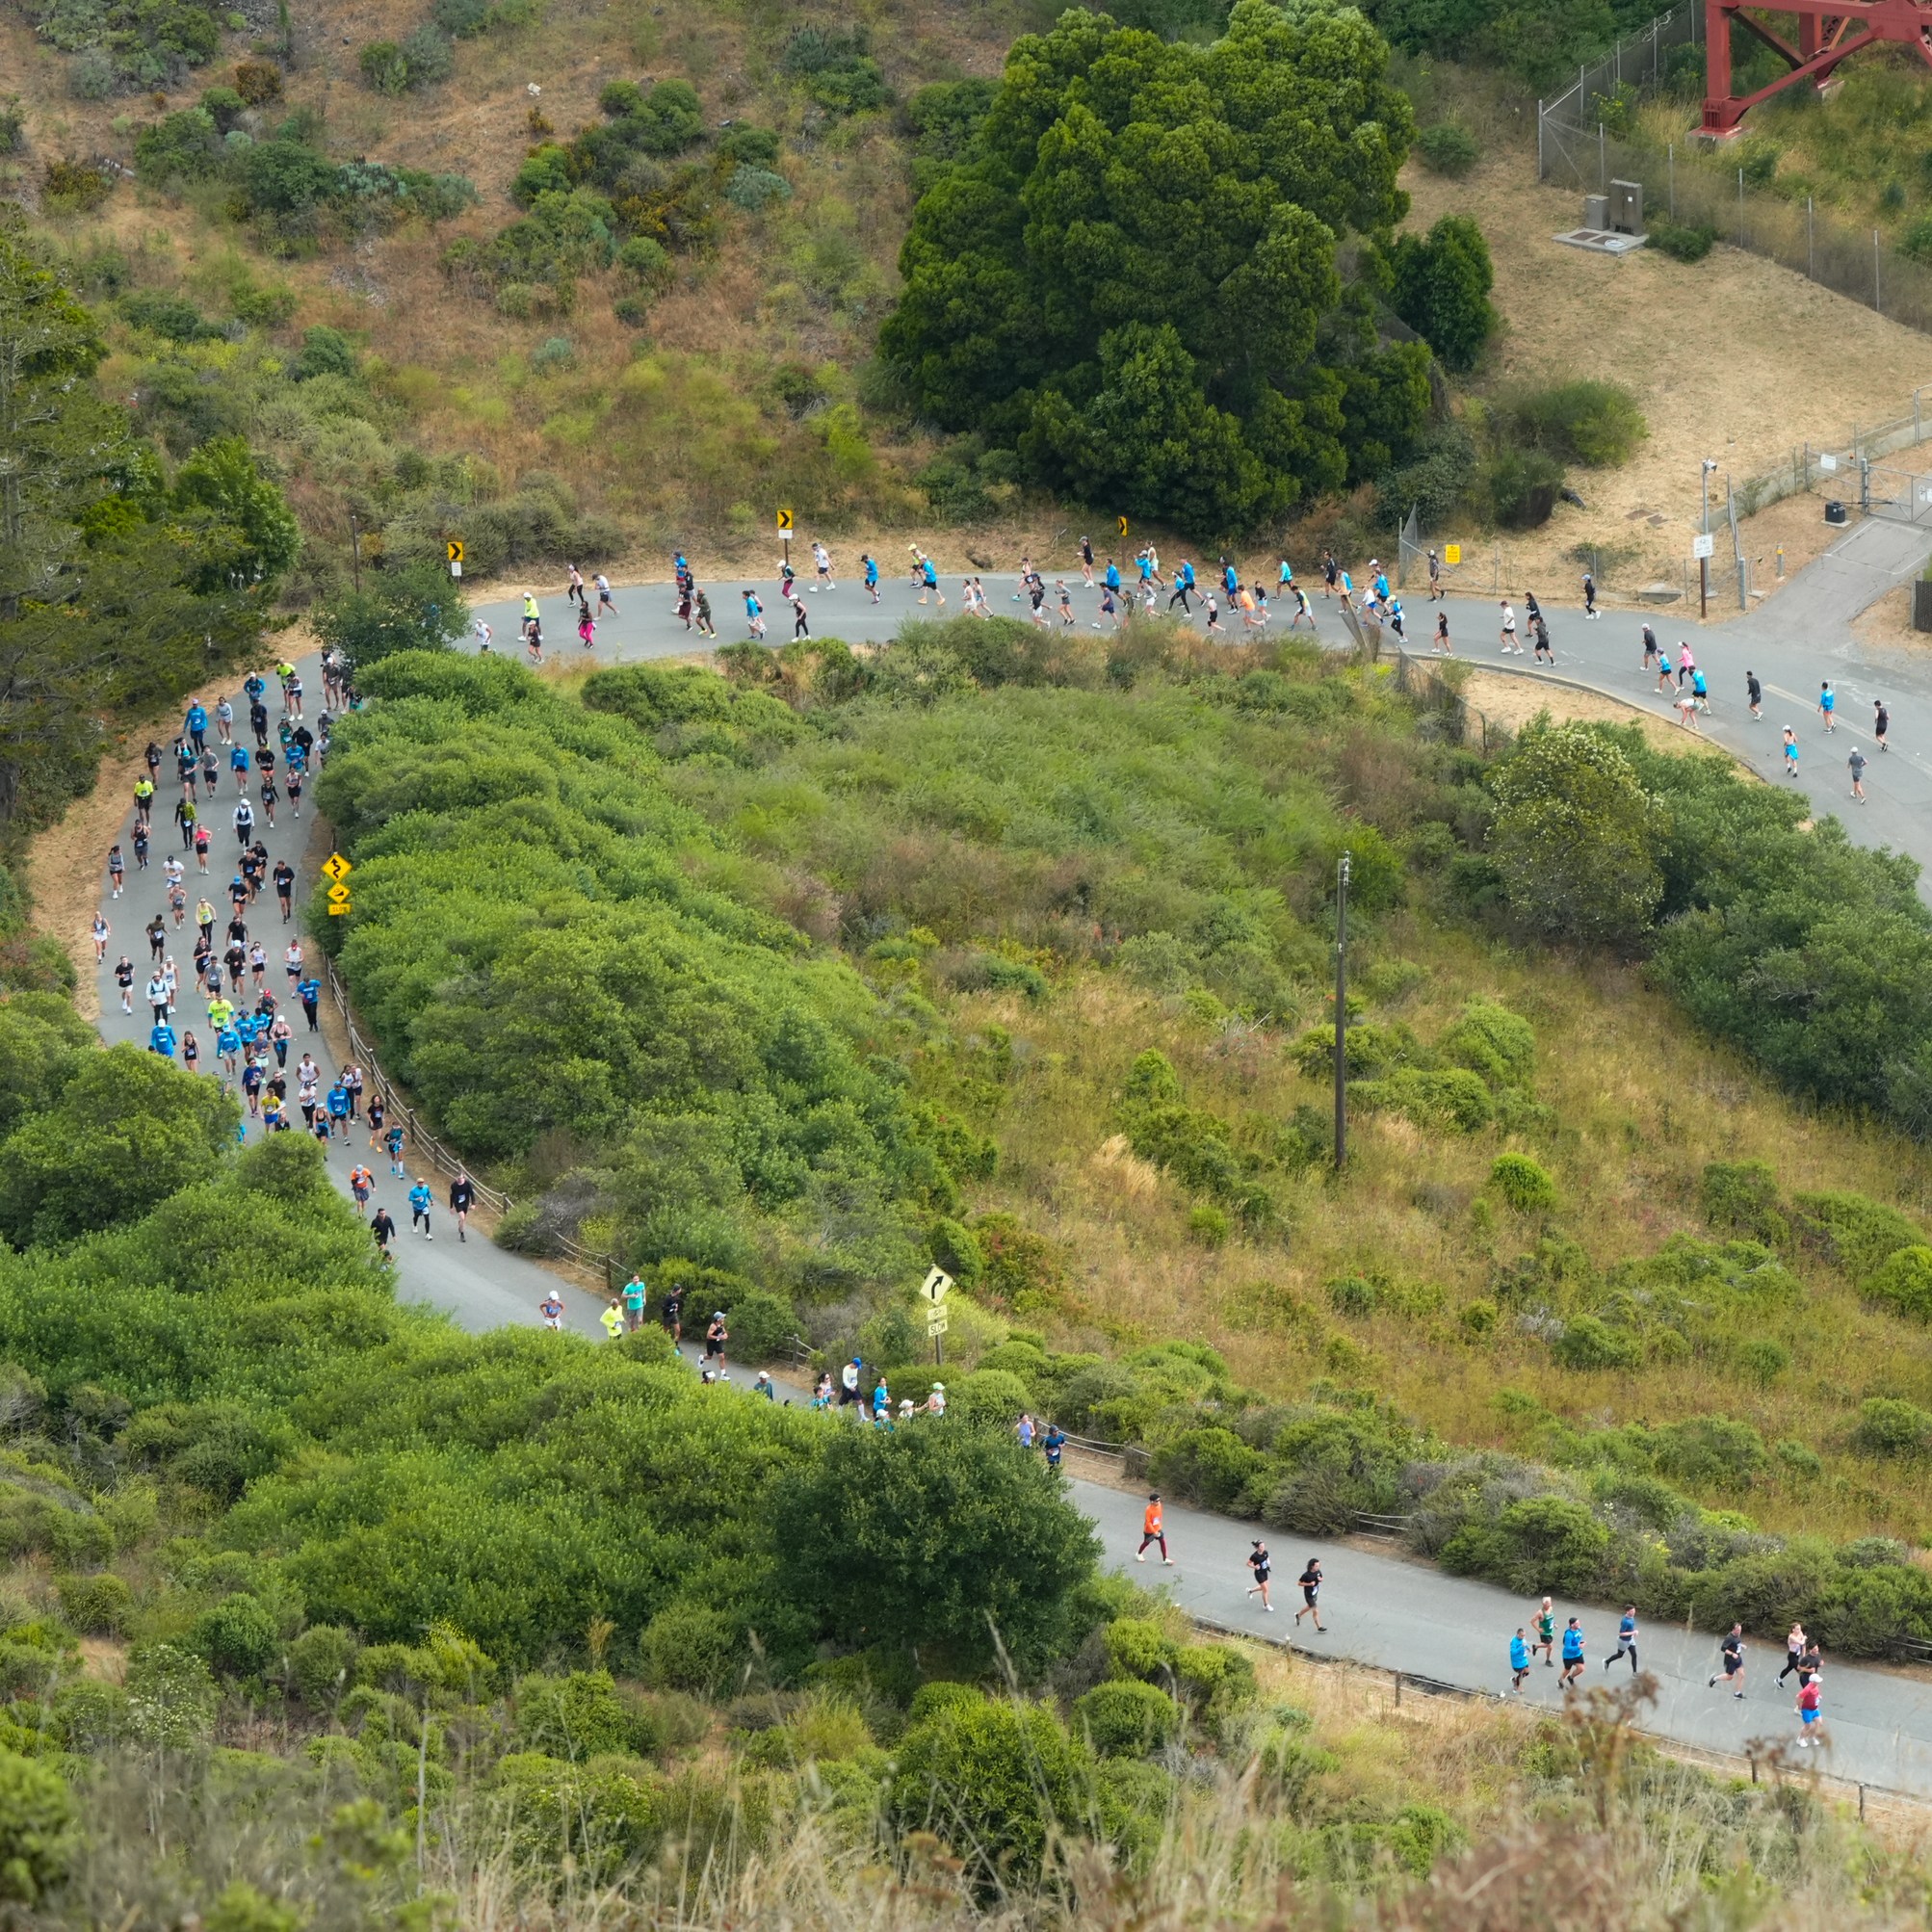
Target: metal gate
<point>1897,495</point>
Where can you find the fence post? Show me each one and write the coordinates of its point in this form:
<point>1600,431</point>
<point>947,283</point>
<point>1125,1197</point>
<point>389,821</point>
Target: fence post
<point>1811,239</point>
<point>1861,1804</point>
<point>1602,161</point>
<point>1741,207</point>
<point>1878,306</point>
<point>1916,431</point>
<point>1542,171</point>
<point>1671,152</point>
<point>1399,1690</point>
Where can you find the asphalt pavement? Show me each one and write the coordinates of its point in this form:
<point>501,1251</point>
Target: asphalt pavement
<point>1793,640</point>
<point>1382,1609</point>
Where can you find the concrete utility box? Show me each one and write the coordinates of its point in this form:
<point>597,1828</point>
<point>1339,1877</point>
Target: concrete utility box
<point>1626,199</point>
<point>1921,605</point>
<point>1596,211</point>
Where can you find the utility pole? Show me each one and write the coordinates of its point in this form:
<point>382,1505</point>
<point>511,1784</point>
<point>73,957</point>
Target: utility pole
<point>1342,1013</point>
<point>1704,562</point>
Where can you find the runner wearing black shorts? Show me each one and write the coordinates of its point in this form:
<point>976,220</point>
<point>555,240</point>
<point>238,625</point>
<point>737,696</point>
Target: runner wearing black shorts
<point>1310,1580</point>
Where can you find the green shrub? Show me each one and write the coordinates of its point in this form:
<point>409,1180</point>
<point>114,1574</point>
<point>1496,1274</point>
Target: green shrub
<point>237,1636</point>
<point>319,1664</point>
<point>1126,1718</point>
<point>1587,1343</point>
<point>941,1694</point>
<point>97,1606</point>
<point>994,1781</point>
<point>601,1815</point>
<point>383,66</point>
<point>576,1717</point>
<point>37,1836</point>
<point>1587,421</point>
<point>1522,1184</point>
<point>1210,1466</point>
<point>1891,1430</point>
<point>1541,1543</point>
<point>1853,1232</point>
<point>754,188</point>
<point>1449,1101</point>
<point>1682,243</point>
<point>689,1646</point>
<point>763,1326</point>
<point>1449,149</point>
<point>645,259</point>
<point>1491,1040</point>
<point>1138,1647</point>
<point>1208,1225</point>
<point>1903,1283</point>
<point>1217,1681</point>
<point>1743,1197</point>
<point>1519,488</point>
<point>1761,1360</point>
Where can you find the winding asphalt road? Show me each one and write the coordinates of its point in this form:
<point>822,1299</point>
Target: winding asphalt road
<point>1381,1609</point>
<point>1794,639</point>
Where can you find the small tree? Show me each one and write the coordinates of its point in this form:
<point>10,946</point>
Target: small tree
<point>1442,288</point>
<point>1577,836</point>
<point>945,1534</point>
<point>414,609</point>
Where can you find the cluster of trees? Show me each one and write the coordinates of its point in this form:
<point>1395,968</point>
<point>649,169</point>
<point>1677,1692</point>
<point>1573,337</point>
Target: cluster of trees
<point>1809,952</point>
<point>124,578</point>
<point>1129,273</point>
<point>123,46</point>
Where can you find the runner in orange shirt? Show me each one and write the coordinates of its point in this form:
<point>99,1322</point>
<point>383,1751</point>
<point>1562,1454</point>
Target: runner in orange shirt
<point>1151,1530</point>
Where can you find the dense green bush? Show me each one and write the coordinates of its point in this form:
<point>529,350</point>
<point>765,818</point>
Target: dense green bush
<point>1519,488</point>
<point>1588,1343</point>
<point>1682,243</point>
<point>1523,1182</point>
<point>1541,1543</point>
<point>1587,421</point>
<point>1891,1429</point>
<point>1126,1718</point>
<point>38,1834</point>
<point>1441,289</point>
<point>1449,149</point>
<point>1903,1283</point>
<point>995,1781</point>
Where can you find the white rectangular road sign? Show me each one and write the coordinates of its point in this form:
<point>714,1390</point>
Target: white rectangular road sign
<point>1704,546</point>
<point>936,1321</point>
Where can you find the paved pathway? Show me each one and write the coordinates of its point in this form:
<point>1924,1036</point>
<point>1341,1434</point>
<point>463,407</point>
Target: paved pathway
<point>1792,641</point>
<point>1383,1610</point>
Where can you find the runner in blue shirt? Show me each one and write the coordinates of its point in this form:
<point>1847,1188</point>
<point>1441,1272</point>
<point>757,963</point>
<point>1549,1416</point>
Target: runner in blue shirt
<point>228,1044</point>
<point>393,1141</point>
<point>1827,705</point>
<point>929,580</point>
<point>309,993</point>
<point>754,614</point>
<point>197,726</point>
<point>338,1106</point>
<point>421,1200</point>
<point>1627,1638</point>
<point>1113,577</point>
<point>1519,1660</point>
<point>870,563</point>
<point>1286,576</point>
<point>161,1040</point>
<point>238,764</point>
<point>1146,563</point>
<point>1573,1653</point>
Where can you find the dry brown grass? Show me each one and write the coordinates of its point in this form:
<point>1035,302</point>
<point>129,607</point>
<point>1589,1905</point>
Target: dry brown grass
<point>1642,1105</point>
<point>1720,353</point>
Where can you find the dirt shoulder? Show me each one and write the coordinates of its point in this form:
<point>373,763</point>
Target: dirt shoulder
<point>1513,701</point>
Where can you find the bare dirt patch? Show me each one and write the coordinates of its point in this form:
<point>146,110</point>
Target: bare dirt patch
<point>1513,701</point>
<point>1723,356</point>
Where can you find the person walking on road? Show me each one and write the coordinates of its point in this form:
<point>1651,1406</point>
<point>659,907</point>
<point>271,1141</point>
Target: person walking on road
<point>421,1201</point>
<point>1259,1562</point>
<point>1754,691</point>
<point>1546,1633</point>
<point>1730,1661</point>
<point>463,1198</point>
<point>1881,721</point>
<point>1519,1660</point>
<point>1790,752</point>
<point>1627,1639</point>
<point>1151,1530</point>
<point>1310,1580</point>
<point>1572,1653</point>
<point>1856,766</point>
<point>633,1296</point>
<point>1827,706</point>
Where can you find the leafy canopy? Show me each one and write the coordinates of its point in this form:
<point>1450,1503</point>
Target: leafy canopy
<point>1128,271</point>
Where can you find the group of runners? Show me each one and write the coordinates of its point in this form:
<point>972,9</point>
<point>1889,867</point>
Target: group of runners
<point>256,1041</point>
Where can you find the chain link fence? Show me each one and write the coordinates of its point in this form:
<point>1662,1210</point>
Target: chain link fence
<point>1582,142</point>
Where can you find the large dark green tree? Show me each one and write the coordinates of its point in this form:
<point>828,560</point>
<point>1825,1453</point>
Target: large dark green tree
<point>118,585</point>
<point>1127,274</point>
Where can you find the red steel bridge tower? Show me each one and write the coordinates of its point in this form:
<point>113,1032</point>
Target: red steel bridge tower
<point>1829,32</point>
